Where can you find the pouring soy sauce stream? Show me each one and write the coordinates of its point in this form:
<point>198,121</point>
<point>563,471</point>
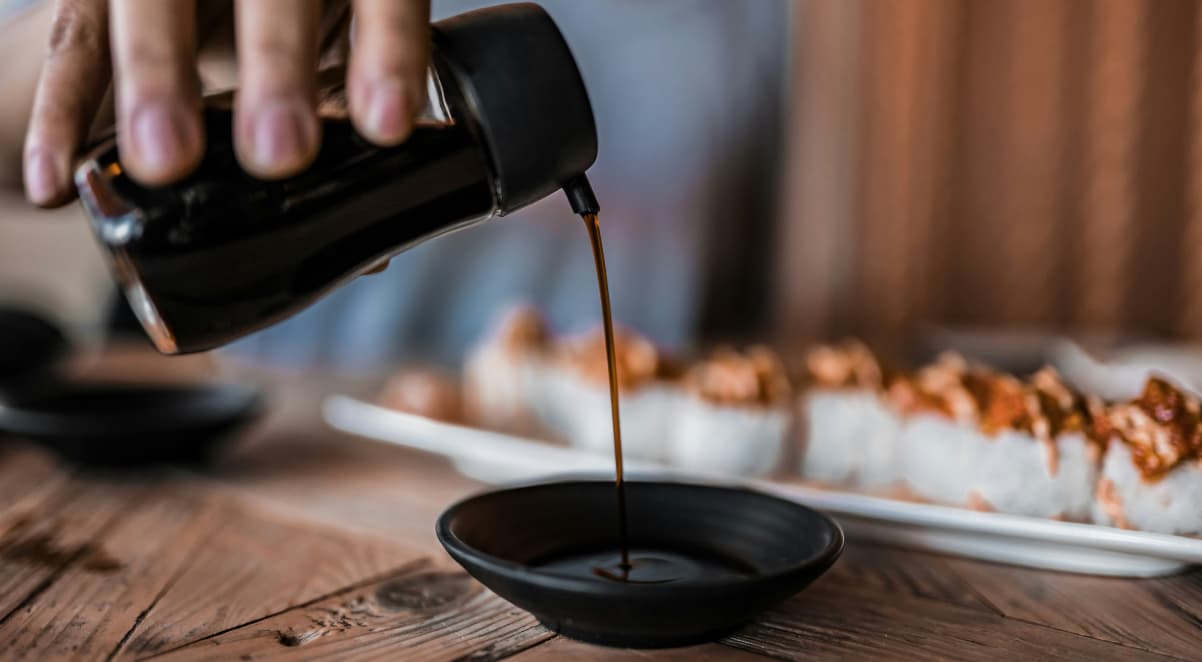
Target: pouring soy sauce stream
<point>594,237</point>
<point>584,202</point>
<point>651,566</point>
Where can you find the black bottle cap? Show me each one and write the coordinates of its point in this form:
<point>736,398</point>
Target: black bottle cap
<point>523,87</point>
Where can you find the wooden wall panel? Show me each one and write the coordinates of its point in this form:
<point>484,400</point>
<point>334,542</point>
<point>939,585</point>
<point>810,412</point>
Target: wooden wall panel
<point>1191,247</point>
<point>1117,44</point>
<point>818,237</point>
<point>1153,292</point>
<point>1001,242</point>
<point>907,101</point>
<point>1030,164</point>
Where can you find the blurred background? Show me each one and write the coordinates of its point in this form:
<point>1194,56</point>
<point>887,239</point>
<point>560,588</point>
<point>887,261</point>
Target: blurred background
<point>797,170</point>
<point>1025,164</point>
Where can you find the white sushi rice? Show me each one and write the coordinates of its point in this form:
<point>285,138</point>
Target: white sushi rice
<point>831,448</point>
<point>849,437</point>
<point>503,374</point>
<point>727,439</point>
<point>647,414</point>
<point>497,387</point>
<point>1020,475</point>
<point>938,458</point>
<point>1171,504</point>
<point>548,386</point>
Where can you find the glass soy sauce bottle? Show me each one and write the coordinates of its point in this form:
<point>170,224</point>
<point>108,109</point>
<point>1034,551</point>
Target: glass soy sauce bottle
<point>221,254</point>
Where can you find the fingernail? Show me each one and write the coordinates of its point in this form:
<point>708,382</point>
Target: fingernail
<point>159,137</point>
<point>388,114</point>
<point>42,180</point>
<point>278,136</point>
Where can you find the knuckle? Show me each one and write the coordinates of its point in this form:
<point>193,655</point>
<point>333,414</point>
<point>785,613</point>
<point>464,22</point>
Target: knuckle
<point>150,68</point>
<point>275,66</point>
<point>147,54</point>
<point>275,52</point>
<point>75,28</point>
<point>58,104</point>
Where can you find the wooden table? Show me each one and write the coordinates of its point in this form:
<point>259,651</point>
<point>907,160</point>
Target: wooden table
<point>303,543</point>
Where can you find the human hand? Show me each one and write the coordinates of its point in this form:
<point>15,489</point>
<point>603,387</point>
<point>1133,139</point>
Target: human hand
<point>150,50</point>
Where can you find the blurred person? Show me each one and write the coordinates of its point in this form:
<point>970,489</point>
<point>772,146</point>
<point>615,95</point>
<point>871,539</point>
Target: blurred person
<point>686,94</point>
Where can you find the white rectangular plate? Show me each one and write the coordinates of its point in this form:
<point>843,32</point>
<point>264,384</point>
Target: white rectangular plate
<point>496,458</point>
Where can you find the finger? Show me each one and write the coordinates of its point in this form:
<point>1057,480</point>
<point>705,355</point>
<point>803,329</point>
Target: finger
<point>386,82</point>
<point>73,82</point>
<point>158,101</point>
<point>275,123</point>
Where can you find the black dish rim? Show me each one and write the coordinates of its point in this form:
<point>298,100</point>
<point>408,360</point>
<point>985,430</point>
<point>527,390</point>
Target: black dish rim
<point>458,548</point>
<point>33,410</point>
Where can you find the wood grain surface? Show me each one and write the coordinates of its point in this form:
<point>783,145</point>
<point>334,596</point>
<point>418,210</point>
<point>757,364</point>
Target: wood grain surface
<point>250,567</point>
<point>304,544</point>
<point>829,622</point>
<point>422,612</point>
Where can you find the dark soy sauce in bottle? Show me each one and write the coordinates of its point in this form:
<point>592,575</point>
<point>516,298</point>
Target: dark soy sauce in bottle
<point>221,254</point>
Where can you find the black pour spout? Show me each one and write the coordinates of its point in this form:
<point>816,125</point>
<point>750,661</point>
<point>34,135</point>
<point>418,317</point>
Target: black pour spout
<point>580,196</point>
<point>525,95</point>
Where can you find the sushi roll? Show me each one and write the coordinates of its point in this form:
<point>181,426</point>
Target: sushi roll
<point>848,433</point>
<point>1152,471</point>
<point>986,440</point>
<point>734,418</point>
<point>1036,455</point>
<point>648,387</point>
<point>428,392</point>
<point>939,432</point>
<point>504,375</point>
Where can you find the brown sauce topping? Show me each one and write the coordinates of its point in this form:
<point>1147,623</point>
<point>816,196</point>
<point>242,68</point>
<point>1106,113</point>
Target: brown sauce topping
<point>1162,427</point>
<point>940,388</point>
<point>638,361</point>
<point>849,364</point>
<point>1042,406</point>
<point>425,392</point>
<point>523,328</point>
<point>1002,402</point>
<point>752,378</point>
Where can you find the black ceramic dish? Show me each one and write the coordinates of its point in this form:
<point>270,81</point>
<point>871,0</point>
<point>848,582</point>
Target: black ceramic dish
<point>121,425</point>
<point>29,346</point>
<point>502,537</point>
